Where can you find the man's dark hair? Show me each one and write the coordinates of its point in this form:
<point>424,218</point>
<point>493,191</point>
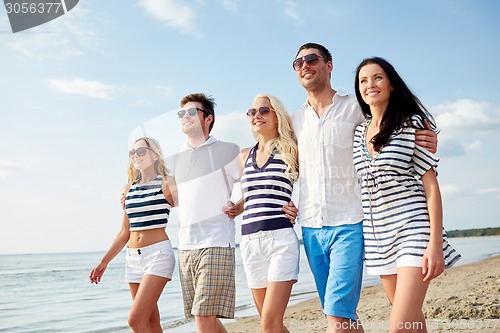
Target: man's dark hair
<point>207,102</point>
<point>327,56</point>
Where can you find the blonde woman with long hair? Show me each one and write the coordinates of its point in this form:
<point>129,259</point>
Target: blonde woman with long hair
<point>269,245</point>
<point>150,258</point>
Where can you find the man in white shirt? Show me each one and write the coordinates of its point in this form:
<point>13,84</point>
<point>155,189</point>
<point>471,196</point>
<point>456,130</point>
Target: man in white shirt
<point>202,178</point>
<point>329,209</point>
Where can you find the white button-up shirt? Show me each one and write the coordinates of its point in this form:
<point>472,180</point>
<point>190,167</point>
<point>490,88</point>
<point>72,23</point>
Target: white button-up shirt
<point>329,193</point>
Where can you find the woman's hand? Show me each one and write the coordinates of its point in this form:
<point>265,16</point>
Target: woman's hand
<point>97,272</point>
<point>433,262</point>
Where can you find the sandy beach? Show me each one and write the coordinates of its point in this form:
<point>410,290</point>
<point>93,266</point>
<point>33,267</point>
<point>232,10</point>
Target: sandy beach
<point>463,299</point>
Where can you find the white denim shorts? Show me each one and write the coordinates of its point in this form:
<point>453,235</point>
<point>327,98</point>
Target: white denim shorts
<point>270,256</point>
<point>156,259</point>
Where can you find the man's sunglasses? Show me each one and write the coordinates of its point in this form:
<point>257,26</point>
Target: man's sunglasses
<point>141,151</point>
<point>191,112</point>
<point>263,110</point>
<point>311,59</point>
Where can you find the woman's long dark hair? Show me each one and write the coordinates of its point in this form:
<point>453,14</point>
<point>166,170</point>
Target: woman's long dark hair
<point>403,105</point>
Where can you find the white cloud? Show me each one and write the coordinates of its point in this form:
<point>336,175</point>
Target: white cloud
<point>66,37</point>
<point>449,189</point>
<point>5,174</point>
<point>164,90</point>
<point>230,5</point>
<point>449,147</point>
<point>474,145</point>
<point>172,12</point>
<point>43,46</point>
<point>291,10</point>
<point>466,115</point>
<point>91,89</point>
<point>494,190</point>
<point>463,123</point>
<point>8,169</point>
<point>143,103</point>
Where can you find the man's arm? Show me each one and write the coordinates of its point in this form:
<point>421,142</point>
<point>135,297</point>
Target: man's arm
<point>233,209</point>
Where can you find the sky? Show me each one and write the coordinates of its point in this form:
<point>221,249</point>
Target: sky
<point>74,90</point>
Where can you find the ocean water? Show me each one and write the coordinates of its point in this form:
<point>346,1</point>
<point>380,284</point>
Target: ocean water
<point>52,292</point>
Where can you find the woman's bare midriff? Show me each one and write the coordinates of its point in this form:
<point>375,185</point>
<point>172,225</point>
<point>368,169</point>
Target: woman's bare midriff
<point>144,238</point>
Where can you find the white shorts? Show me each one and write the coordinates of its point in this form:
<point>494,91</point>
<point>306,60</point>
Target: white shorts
<point>270,256</point>
<point>156,259</point>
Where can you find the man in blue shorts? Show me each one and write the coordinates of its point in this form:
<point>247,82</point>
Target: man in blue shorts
<point>330,210</point>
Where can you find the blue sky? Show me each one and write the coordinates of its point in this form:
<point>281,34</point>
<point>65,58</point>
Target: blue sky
<point>73,90</point>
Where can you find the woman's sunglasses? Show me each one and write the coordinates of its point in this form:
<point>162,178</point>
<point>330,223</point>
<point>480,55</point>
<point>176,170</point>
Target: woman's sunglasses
<point>311,59</point>
<point>263,110</point>
<point>141,151</point>
<point>191,112</point>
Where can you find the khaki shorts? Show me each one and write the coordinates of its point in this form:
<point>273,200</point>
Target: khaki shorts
<point>207,281</point>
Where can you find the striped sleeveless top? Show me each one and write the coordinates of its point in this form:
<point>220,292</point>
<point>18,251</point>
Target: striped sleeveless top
<point>146,206</point>
<point>265,191</point>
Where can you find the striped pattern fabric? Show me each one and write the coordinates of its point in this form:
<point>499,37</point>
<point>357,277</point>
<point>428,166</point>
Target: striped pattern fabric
<point>265,191</point>
<point>396,220</point>
<point>146,206</point>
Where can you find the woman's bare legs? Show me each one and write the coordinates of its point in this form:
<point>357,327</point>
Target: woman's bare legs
<point>271,303</point>
<point>406,292</point>
<point>144,317</point>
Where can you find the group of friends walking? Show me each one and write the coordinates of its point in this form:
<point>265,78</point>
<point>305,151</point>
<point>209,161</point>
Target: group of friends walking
<point>368,196</point>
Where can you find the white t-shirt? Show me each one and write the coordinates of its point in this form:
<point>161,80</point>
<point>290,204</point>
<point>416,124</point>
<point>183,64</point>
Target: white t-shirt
<point>205,177</point>
<point>329,191</point>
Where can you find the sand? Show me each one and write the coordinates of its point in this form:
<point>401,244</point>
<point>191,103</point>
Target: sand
<point>463,299</point>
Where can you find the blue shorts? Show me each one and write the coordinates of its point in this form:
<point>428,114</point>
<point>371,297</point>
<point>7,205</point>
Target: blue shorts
<point>335,255</point>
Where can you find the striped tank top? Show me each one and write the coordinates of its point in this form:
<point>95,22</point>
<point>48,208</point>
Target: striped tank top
<point>265,190</point>
<point>146,206</point>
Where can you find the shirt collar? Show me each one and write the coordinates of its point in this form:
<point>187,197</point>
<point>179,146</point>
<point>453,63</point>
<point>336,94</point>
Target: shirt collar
<point>340,92</point>
<point>209,141</point>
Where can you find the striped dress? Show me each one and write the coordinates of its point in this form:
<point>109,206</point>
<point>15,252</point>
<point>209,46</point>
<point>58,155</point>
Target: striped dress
<point>265,190</point>
<point>396,221</point>
<point>146,206</point>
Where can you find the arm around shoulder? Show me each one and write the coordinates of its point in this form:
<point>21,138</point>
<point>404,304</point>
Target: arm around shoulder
<point>169,190</point>
<point>244,156</point>
<point>427,138</point>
